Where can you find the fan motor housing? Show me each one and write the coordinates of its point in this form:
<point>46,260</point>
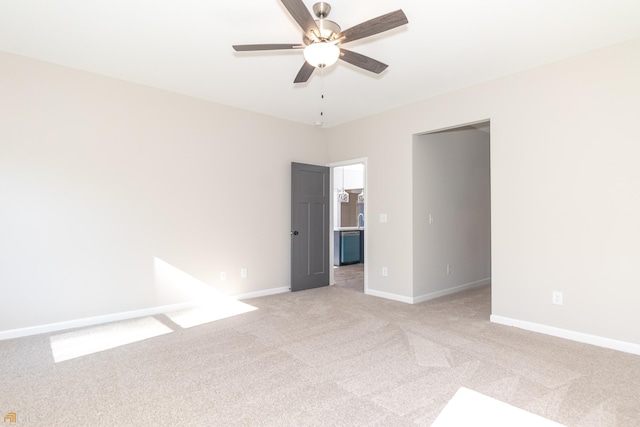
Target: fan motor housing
<point>329,31</point>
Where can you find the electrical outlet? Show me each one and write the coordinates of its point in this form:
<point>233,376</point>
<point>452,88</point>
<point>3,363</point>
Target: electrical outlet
<point>244,273</point>
<point>385,272</point>
<point>223,275</point>
<point>556,298</point>
<point>383,217</point>
<point>448,268</point>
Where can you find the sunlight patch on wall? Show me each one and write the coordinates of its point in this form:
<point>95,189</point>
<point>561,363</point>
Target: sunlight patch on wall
<point>175,286</point>
<point>94,339</point>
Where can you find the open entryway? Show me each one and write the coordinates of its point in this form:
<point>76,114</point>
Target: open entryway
<point>349,215</point>
<point>451,210</point>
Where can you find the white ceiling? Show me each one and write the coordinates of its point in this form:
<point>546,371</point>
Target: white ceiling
<point>185,46</point>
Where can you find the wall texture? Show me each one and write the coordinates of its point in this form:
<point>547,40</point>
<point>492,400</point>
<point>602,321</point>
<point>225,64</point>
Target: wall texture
<point>565,189</point>
<point>100,178</point>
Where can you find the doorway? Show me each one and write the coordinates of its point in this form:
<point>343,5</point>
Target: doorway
<point>451,210</point>
<point>348,220</point>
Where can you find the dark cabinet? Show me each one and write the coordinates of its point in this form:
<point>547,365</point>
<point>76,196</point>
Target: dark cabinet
<point>348,247</point>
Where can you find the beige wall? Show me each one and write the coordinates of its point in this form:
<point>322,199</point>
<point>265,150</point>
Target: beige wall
<point>99,177</point>
<point>565,189</point>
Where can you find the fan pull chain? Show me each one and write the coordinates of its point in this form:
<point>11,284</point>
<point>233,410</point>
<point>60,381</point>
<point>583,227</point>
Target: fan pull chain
<point>321,121</point>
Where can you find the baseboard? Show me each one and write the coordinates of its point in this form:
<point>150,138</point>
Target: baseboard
<point>92,321</point>
<point>265,293</point>
<point>387,295</point>
<point>624,346</point>
<point>97,320</point>
<point>467,286</point>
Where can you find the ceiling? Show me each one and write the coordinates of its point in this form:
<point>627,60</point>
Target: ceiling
<point>185,47</point>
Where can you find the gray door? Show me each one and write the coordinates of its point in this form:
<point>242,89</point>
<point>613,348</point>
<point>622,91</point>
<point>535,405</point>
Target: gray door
<point>309,226</point>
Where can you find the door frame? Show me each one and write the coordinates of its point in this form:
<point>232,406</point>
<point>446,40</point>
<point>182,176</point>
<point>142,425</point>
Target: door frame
<point>333,165</point>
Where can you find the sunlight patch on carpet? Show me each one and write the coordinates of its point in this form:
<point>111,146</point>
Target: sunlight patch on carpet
<point>470,408</point>
<point>173,287</point>
<point>94,339</point>
<point>221,308</point>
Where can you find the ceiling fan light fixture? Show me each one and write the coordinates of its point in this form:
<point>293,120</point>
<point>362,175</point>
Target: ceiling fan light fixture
<point>324,38</point>
<point>321,54</point>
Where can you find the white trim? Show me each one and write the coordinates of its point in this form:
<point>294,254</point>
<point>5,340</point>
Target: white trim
<point>114,317</point>
<point>348,162</point>
<point>91,321</point>
<point>259,294</point>
<point>438,294</point>
<point>386,295</point>
<point>624,346</point>
<point>427,297</point>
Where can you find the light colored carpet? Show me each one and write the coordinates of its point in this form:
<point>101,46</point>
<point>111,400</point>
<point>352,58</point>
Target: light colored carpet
<point>350,277</point>
<point>328,356</point>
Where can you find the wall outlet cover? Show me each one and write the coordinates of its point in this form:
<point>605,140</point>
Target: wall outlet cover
<point>556,298</point>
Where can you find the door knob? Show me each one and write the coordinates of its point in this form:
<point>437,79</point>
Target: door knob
<point>295,233</point>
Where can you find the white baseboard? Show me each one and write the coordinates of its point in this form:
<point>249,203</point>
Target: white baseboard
<point>387,295</point>
<point>438,294</point>
<point>91,321</point>
<point>423,298</point>
<point>259,294</point>
<point>624,346</point>
<point>97,320</point>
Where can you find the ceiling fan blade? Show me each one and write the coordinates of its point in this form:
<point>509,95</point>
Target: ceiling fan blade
<point>304,73</point>
<point>374,26</point>
<point>362,61</point>
<point>301,14</point>
<point>254,47</point>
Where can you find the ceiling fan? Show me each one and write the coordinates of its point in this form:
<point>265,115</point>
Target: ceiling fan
<point>322,38</point>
